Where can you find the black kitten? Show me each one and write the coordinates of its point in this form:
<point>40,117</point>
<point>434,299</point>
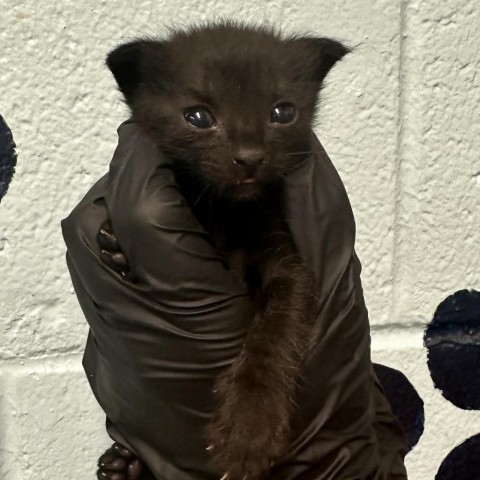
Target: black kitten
<point>232,107</point>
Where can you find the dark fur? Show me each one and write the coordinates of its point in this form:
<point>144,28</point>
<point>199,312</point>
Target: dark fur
<point>240,73</point>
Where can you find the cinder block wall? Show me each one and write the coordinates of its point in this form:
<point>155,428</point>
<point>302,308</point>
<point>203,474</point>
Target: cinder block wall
<point>399,119</point>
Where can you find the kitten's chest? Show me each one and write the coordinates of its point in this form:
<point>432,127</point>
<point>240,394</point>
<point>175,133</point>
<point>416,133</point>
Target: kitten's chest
<point>242,237</point>
<point>238,258</point>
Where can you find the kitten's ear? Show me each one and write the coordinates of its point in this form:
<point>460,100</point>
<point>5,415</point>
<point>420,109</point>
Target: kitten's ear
<point>134,63</point>
<point>326,52</point>
<point>125,64</point>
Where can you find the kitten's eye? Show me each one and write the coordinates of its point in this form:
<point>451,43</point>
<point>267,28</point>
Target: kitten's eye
<point>199,117</point>
<point>282,113</point>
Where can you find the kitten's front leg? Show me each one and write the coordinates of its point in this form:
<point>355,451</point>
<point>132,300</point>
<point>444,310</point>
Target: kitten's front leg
<point>251,427</point>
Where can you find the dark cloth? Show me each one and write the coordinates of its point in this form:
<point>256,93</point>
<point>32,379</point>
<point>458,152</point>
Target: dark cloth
<point>156,346</point>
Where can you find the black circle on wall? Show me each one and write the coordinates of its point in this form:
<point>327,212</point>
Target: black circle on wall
<point>8,157</point>
<point>463,462</point>
<point>453,343</point>
<point>405,402</point>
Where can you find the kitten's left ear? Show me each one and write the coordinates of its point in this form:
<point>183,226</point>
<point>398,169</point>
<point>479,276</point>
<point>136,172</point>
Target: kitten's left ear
<point>327,53</point>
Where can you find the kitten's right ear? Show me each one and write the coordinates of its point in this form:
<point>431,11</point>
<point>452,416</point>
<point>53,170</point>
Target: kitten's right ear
<point>125,64</point>
<point>140,63</point>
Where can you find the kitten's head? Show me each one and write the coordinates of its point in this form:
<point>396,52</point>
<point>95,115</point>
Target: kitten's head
<point>231,105</point>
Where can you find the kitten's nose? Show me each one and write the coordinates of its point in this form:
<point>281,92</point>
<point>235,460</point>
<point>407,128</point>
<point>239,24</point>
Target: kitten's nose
<point>249,158</point>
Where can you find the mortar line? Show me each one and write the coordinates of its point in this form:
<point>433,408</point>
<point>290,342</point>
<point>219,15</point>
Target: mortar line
<point>54,360</point>
<point>10,444</point>
<point>399,150</point>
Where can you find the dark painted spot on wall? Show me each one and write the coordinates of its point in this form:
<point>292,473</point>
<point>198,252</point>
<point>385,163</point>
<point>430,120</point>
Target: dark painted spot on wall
<point>405,402</point>
<point>453,343</point>
<point>463,462</point>
<point>8,157</point>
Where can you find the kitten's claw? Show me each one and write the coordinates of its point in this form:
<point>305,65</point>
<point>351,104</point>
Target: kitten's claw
<point>226,476</point>
<point>107,239</point>
<point>210,447</point>
<point>122,451</point>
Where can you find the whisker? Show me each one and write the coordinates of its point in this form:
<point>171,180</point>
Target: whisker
<point>201,195</point>
<point>330,152</point>
<point>299,153</point>
<point>339,154</point>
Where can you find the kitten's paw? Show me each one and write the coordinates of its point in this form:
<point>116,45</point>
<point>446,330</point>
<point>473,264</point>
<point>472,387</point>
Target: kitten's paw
<point>249,432</point>
<point>119,463</point>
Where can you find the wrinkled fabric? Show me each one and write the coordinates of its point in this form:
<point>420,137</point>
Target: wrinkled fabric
<point>156,346</point>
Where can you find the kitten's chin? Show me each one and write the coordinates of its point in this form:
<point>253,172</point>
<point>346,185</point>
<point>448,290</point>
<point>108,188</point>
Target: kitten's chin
<point>244,192</point>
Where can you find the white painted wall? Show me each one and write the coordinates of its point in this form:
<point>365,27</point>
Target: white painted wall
<point>400,121</point>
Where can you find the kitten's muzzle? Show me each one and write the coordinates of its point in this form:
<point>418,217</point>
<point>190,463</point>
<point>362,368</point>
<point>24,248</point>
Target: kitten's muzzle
<point>250,164</point>
<point>249,156</point>
<point>249,161</point>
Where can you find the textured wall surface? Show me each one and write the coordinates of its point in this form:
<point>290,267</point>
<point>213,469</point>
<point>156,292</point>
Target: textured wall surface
<point>399,120</point>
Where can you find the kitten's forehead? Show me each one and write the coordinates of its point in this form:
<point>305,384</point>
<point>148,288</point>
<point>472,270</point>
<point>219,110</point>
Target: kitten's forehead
<point>227,59</point>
